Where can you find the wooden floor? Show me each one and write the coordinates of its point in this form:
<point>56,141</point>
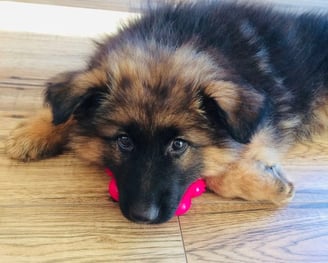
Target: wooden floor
<point>58,210</point>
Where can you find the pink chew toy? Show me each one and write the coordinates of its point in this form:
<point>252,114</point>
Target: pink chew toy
<point>197,188</point>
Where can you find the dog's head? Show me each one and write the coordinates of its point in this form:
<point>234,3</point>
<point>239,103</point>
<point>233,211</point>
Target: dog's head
<point>158,118</point>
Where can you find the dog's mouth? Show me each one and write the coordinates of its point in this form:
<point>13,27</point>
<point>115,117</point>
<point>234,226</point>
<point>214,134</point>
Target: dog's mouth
<point>155,210</point>
<point>142,211</point>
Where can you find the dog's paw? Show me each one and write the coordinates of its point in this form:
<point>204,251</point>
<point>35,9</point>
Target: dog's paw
<point>253,180</point>
<point>37,138</point>
<point>280,190</point>
<point>26,143</point>
<point>267,183</point>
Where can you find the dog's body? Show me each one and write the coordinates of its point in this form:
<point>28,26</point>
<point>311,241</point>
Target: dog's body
<point>214,90</point>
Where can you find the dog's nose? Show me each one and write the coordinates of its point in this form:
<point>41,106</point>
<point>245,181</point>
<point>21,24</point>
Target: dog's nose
<point>144,213</point>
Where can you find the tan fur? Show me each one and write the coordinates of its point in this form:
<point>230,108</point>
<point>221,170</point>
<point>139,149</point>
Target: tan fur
<point>89,149</point>
<point>93,78</point>
<point>321,113</point>
<point>225,92</point>
<point>235,101</point>
<point>254,174</point>
<point>131,66</point>
<point>250,181</point>
<point>82,80</point>
<point>38,137</point>
<point>135,62</point>
<point>217,160</point>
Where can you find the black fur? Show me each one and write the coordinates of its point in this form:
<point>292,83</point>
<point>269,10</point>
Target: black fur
<point>280,55</point>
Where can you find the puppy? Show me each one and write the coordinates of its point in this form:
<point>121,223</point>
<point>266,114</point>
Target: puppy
<point>214,90</point>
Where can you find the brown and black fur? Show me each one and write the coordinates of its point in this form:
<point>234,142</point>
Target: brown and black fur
<point>214,90</point>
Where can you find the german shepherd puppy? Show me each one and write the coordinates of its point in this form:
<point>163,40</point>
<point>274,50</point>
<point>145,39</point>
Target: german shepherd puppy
<point>215,90</point>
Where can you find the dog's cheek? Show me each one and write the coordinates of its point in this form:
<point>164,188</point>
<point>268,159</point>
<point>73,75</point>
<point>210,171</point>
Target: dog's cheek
<point>188,168</point>
<point>90,149</point>
<point>217,159</point>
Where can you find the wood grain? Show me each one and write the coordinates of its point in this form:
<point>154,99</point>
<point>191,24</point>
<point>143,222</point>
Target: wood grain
<point>58,210</point>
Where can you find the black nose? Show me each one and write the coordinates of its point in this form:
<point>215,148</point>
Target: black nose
<point>142,213</point>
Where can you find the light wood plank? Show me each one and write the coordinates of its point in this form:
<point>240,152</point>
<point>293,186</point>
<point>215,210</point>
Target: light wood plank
<point>31,56</point>
<point>255,233</point>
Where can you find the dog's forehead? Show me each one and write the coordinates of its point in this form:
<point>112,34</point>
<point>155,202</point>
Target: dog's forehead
<point>156,87</point>
<point>153,84</point>
<point>151,109</point>
<point>152,67</point>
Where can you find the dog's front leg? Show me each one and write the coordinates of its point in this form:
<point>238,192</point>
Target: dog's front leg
<point>255,174</point>
<point>38,137</point>
<point>251,180</point>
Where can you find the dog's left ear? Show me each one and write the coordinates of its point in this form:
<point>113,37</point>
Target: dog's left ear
<point>76,93</point>
<point>237,108</point>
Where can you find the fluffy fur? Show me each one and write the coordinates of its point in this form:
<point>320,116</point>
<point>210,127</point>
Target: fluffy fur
<point>215,90</point>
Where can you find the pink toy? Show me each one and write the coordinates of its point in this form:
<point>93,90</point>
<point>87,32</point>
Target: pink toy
<point>194,190</point>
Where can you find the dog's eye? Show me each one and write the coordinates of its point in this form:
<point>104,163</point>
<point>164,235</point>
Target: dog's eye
<point>125,143</point>
<point>178,146</point>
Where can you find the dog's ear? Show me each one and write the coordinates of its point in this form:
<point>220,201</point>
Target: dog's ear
<point>236,108</point>
<point>75,93</point>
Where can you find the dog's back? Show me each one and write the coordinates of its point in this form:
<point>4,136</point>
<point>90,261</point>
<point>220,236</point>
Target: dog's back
<point>279,54</point>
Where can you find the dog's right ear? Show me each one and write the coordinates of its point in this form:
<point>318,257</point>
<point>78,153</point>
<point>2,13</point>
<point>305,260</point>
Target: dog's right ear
<point>237,108</point>
<point>77,92</point>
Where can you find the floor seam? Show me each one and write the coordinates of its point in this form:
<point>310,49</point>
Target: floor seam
<point>183,242</point>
